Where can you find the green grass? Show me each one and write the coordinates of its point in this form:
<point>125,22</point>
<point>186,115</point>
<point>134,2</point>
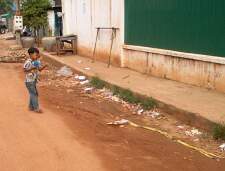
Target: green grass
<point>219,132</point>
<point>128,96</point>
<point>115,90</point>
<point>148,103</point>
<point>125,94</point>
<point>97,83</point>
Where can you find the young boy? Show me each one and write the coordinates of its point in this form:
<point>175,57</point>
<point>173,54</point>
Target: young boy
<point>32,67</point>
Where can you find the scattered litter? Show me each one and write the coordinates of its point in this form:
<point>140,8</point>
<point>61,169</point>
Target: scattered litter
<point>196,132</point>
<point>193,132</point>
<point>80,78</point>
<point>15,48</point>
<point>88,90</point>
<point>120,122</point>
<point>200,150</point>
<point>154,114</point>
<point>180,127</point>
<point>222,147</point>
<point>115,99</point>
<point>7,36</point>
<point>87,68</point>
<point>84,82</point>
<point>188,133</point>
<point>106,93</point>
<point>103,90</point>
<point>65,71</point>
<point>10,59</point>
<point>196,140</point>
<point>139,112</point>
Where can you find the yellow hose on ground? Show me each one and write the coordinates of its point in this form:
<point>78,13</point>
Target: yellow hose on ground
<point>207,154</point>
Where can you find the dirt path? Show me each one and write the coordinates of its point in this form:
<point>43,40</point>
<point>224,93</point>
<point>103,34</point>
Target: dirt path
<point>62,138</point>
<point>32,142</point>
<point>72,134</point>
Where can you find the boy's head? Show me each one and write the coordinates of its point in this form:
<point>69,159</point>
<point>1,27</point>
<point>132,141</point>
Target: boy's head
<point>34,53</point>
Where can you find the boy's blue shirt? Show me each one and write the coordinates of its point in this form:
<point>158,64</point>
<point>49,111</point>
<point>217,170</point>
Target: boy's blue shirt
<point>36,63</point>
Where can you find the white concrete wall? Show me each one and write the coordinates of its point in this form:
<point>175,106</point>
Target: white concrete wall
<point>199,70</point>
<point>81,17</point>
<point>67,9</point>
<point>51,22</point>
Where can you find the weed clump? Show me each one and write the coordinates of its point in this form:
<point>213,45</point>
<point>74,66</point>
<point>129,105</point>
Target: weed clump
<point>148,103</point>
<point>219,132</point>
<point>97,83</point>
<point>125,94</point>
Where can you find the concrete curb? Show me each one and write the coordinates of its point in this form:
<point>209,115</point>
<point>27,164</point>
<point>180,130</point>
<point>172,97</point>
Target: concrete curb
<point>187,117</point>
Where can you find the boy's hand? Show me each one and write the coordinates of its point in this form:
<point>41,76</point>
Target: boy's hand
<point>43,67</point>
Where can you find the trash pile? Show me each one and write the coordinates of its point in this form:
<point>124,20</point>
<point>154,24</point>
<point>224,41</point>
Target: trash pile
<point>16,54</point>
<point>134,108</point>
<point>222,147</point>
<point>190,132</point>
<point>65,71</point>
<point>59,78</point>
<point>64,77</point>
<point>9,59</point>
<point>120,122</point>
<point>193,133</point>
<point>107,94</point>
<point>7,36</point>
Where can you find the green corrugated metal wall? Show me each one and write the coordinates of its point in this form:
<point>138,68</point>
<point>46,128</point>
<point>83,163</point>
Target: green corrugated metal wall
<point>196,26</point>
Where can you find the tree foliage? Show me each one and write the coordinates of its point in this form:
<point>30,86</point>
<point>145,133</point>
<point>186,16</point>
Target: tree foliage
<point>6,6</point>
<point>35,13</point>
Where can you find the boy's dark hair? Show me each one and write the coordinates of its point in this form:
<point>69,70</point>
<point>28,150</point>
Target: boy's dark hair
<point>33,50</point>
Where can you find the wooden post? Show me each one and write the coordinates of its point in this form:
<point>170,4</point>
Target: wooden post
<point>93,58</point>
<point>112,40</point>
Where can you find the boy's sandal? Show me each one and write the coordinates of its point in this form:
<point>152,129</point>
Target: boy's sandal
<point>38,111</point>
<point>30,109</point>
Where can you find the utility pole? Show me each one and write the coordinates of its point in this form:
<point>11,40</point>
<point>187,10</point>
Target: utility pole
<point>18,32</point>
<point>17,7</point>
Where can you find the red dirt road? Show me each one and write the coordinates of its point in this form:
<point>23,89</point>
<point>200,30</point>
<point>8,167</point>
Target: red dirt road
<point>34,142</point>
<point>75,137</point>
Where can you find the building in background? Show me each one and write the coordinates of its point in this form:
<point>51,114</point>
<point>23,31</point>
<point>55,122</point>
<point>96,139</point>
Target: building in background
<point>178,40</point>
<point>82,17</point>
<point>55,18</point>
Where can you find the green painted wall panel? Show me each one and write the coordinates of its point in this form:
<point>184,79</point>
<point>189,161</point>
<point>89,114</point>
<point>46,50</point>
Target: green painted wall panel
<point>196,26</point>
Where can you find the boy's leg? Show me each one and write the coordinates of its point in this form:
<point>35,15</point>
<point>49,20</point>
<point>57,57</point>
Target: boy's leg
<point>33,95</point>
<point>31,107</point>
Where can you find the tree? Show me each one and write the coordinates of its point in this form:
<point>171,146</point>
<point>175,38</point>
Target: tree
<point>35,14</point>
<point>6,6</point>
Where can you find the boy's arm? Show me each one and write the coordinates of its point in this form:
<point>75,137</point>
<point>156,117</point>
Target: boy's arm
<point>42,68</point>
<point>29,70</point>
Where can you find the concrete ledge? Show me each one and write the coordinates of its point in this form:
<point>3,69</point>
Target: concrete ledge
<point>199,70</point>
<point>205,58</point>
